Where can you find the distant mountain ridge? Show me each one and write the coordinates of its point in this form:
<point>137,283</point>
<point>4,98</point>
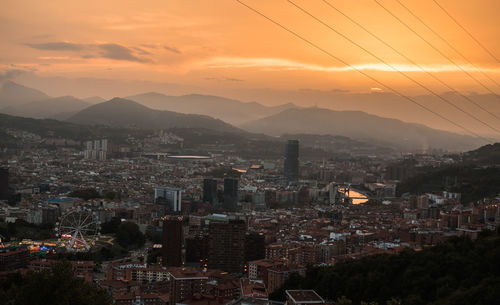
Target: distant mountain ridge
<point>94,99</point>
<point>361,126</point>
<point>228,110</point>
<point>120,112</point>
<point>47,108</point>
<point>218,113</point>
<point>13,94</point>
<point>19,100</point>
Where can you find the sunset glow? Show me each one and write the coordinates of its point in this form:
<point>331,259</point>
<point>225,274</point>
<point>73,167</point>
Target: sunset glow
<point>188,42</point>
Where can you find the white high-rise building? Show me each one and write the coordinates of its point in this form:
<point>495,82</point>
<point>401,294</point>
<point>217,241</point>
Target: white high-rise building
<point>96,150</point>
<point>172,195</point>
<point>104,145</point>
<point>88,145</point>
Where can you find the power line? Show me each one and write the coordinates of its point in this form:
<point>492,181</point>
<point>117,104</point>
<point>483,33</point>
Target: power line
<point>361,72</point>
<point>448,43</point>
<point>436,49</point>
<point>410,60</point>
<point>392,67</point>
<point>465,30</point>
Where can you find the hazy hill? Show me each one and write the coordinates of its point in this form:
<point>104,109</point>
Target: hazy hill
<point>456,271</point>
<point>338,144</point>
<point>475,175</point>
<point>12,94</point>
<point>228,110</point>
<point>125,113</point>
<point>390,105</point>
<point>485,155</point>
<point>361,126</point>
<point>46,108</point>
<point>57,129</point>
<point>94,99</point>
<point>23,101</point>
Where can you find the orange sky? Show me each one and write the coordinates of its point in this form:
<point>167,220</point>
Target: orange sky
<point>221,44</point>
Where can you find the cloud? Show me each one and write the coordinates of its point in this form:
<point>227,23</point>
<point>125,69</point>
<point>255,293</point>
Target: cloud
<point>56,46</point>
<point>54,57</point>
<point>340,91</point>
<point>151,46</point>
<point>119,52</point>
<point>231,79</point>
<point>141,51</point>
<point>226,79</point>
<point>104,50</point>
<point>172,49</point>
<point>281,64</point>
<point>324,91</point>
<point>10,74</point>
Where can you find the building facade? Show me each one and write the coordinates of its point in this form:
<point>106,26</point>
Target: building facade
<point>171,196</point>
<point>210,191</point>
<point>226,245</point>
<point>230,194</point>
<point>291,165</point>
<point>173,236</point>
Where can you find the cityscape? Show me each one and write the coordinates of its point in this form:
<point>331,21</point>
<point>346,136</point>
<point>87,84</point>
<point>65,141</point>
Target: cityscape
<point>136,171</point>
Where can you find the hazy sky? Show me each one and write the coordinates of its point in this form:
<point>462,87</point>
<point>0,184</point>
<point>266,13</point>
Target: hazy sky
<point>221,46</point>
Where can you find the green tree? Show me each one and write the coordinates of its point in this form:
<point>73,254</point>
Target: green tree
<point>58,286</point>
<point>393,301</point>
<point>129,236</point>
<point>110,227</point>
<point>458,271</point>
<point>85,194</point>
<point>343,301</point>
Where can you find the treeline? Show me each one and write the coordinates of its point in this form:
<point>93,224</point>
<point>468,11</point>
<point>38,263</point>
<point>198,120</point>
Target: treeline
<point>474,183</point>
<point>485,155</point>
<point>56,286</point>
<point>89,193</point>
<point>59,129</point>
<point>459,271</point>
<point>20,229</point>
<point>475,174</point>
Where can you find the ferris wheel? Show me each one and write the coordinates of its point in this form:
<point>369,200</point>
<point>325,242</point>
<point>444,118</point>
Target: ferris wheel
<point>78,229</point>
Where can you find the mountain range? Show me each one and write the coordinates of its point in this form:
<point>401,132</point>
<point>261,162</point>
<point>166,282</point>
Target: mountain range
<point>57,107</point>
<point>19,100</point>
<point>362,126</point>
<point>232,111</point>
<point>120,112</point>
<point>159,111</point>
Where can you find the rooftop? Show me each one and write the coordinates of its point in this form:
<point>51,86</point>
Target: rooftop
<point>305,296</point>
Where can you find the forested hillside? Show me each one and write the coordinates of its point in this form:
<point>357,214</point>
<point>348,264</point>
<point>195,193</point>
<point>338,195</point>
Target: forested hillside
<point>459,271</point>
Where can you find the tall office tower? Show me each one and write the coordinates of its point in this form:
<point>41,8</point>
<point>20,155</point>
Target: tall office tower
<point>210,191</point>
<point>226,245</point>
<point>172,196</point>
<point>291,166</point>
<point>97,144</point>
<point>173,236</point>
<point>230,194</point>
<point>4,183</point>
